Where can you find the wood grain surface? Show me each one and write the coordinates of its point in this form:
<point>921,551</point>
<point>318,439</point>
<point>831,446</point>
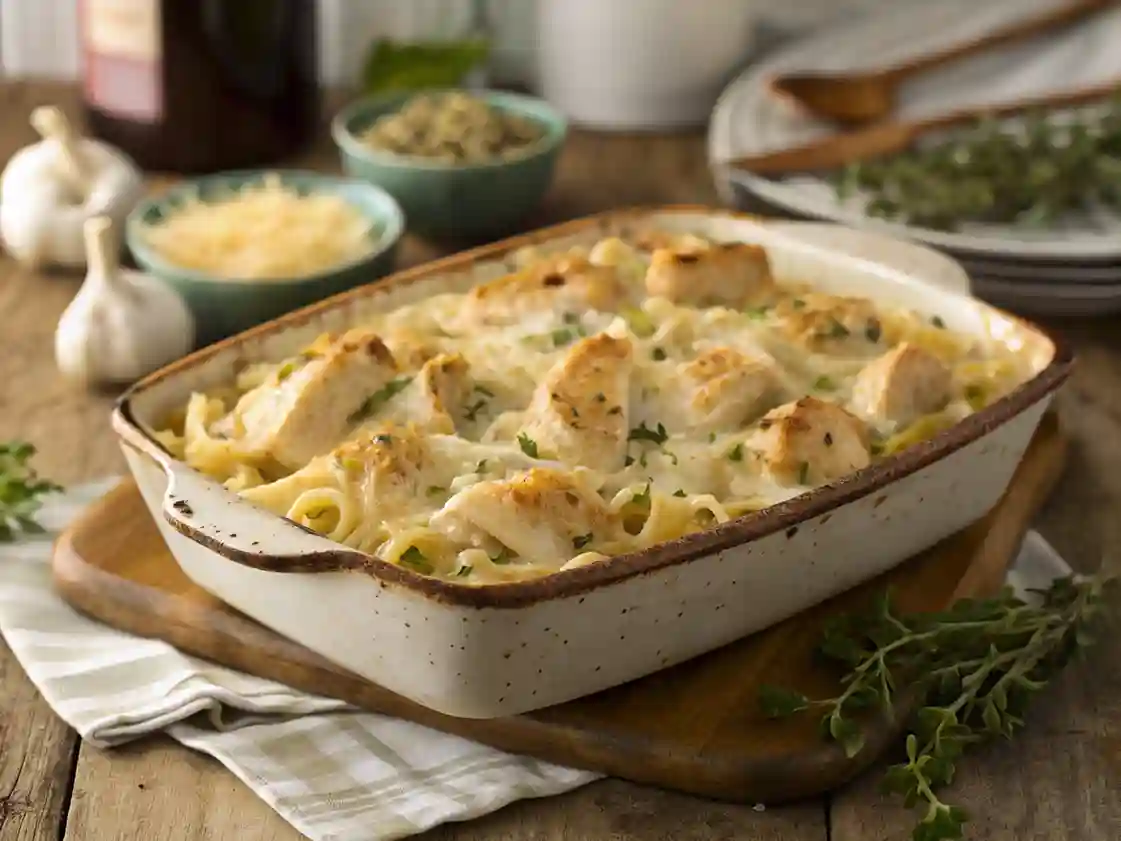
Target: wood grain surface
<point>1056,782</point>
<point>695,728</point>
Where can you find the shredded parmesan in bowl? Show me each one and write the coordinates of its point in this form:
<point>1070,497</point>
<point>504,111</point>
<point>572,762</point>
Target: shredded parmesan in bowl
<point>266,231</point>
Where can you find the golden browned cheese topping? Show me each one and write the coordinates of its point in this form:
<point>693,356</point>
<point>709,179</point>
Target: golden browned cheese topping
<point>597,400</point>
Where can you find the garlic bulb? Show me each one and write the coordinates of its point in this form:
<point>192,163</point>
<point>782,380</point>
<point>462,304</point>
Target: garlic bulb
<point>122,324</point>
<point>50,188</point>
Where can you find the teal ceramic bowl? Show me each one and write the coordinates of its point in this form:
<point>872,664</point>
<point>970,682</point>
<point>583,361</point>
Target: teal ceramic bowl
<point>453,200</point>
<point>225,306</point>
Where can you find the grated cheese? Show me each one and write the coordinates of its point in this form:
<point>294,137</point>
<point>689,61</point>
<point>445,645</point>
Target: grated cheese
<point>263,232</point>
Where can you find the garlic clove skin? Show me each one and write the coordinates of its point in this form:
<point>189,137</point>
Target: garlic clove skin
<point>122,324</point>
<point>40,222</point>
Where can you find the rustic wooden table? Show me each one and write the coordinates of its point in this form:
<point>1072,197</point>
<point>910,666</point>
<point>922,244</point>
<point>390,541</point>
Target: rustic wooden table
<point>1060,779</point>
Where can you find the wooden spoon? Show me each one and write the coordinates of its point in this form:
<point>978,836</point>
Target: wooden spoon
<point>888,138</point>
<point>870,96</point>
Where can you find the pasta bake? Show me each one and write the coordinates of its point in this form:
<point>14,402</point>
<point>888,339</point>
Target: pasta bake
<point>590,403</point>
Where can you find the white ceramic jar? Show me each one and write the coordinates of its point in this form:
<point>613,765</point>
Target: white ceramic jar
<point>640,64</point>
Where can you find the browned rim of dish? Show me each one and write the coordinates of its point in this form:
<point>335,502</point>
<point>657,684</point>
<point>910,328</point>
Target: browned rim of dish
<point>575,582</point>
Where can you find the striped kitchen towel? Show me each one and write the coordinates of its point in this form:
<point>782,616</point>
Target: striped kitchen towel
<point>332,772</point>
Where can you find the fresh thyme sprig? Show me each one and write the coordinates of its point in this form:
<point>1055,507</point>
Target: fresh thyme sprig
<point>973,668</point>
<point>1027,172</point>
<point>21,491</point>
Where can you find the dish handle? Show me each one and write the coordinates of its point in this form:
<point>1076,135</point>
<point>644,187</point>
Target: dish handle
<point>207,513</point>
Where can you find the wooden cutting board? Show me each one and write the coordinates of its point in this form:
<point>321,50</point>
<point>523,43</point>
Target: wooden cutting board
<point>695,727</point>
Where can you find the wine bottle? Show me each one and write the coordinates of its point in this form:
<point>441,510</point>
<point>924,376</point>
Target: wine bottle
<point>201,85</point>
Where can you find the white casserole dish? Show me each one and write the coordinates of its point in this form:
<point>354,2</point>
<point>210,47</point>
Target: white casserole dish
<point>499,650</point>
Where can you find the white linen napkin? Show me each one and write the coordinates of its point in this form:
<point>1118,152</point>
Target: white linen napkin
<point>334,773</point>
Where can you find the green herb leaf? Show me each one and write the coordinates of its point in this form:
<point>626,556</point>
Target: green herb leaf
<point>503,557</point>
<point>527,445</point>
<point>414,559</point>
<point>391,66</point>
<point>580,541</point>
<point>658,354</point>
<point>642,499</point>
<point>566,335</point>
<point>21,491</point>
<point>780,703</point>
<point>973,667</point>
<point>1027,172</point>
<point>379,398</point>
<point>642,432</point>
<point>736,453</point>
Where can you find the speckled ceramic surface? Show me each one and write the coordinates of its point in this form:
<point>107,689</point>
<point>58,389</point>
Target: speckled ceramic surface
<point>492,651</point>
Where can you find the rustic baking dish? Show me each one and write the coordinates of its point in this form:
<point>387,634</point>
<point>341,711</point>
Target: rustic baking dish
<point>504,649</point>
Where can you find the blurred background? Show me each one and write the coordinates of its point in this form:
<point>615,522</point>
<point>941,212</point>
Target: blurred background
<point>38,38</point>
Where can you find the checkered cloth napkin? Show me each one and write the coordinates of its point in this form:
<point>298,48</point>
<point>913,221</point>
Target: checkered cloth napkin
<point>332,772</point>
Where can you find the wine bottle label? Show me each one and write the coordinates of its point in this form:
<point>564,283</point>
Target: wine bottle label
<point>121,48</point>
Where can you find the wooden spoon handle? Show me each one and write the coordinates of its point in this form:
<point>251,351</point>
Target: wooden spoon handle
<point>887,138</point>
<point>1036,25</point>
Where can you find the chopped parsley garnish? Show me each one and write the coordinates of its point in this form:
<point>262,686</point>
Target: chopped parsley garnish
<point>679,493</point>
<point>503,557</point>
<point>839,331</point>
<point>615,410</point>
<point>639,322</point>
<point>873,331</point>
<point>379,398</point>
<point>938,322</point>
<point>481,467</point>
<point>642,432</point>
<point>628,461</point>
<point>736,453</point>
<point>975,395</point>
<point>877,449</point>
<point>657,354</point>
<point>570,318</point>
<point>758,313</point>
<point>383,439</point>
<point>582,540</point>
<point>528,445</point>
<point>483,390</point>
<point>464,571</point>
<point>712,438</point>
<point>286,370</point>
<point>21,491</point>
<point>436,490</point>
<point>601,397</point>
<point>642,499</point>
<point>566,335</point>
<point>824,384</point>
<point>471,413</point>
<point>798,304</point>
<point>804,473</point>
<point>414,559</point>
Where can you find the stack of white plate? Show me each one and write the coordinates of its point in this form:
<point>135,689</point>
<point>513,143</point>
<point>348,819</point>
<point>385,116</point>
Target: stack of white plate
<point>1072,268</point>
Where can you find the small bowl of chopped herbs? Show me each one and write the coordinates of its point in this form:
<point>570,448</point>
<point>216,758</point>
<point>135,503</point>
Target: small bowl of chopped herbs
<point>460,163</point>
